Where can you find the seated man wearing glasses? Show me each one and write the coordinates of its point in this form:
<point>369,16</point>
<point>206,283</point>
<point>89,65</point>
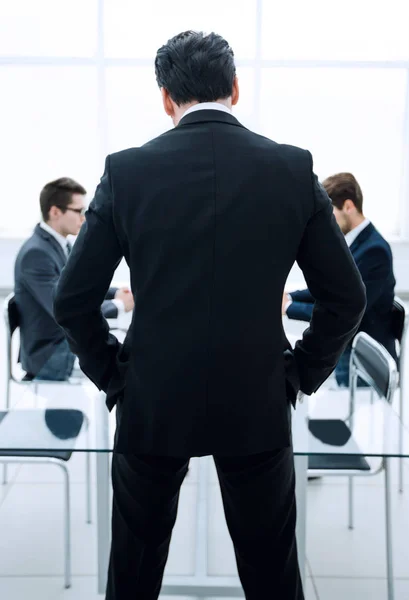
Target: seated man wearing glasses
<point>44,351</point>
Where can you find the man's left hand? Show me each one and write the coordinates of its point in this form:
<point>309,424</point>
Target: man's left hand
<point>125,295</point>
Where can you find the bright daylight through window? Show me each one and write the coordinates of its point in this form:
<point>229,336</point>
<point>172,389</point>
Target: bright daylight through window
<point>77,83</point>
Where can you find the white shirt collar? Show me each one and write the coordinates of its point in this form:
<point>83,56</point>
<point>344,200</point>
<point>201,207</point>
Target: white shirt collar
<point>207,106</point>
<point>353,234</point>
<point>60,238</point>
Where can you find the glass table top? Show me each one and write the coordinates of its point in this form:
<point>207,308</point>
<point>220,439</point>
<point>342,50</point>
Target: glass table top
<point>78,421</point>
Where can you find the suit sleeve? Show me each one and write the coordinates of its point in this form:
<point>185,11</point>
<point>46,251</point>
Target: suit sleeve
<point>84,284</point>
<point>300,311</point>
<point>109,310</point>
<point>40,278</point>
<point>110,295</point>
<point>375,267</point>
<point>302,296</point>
<point>334,281</point>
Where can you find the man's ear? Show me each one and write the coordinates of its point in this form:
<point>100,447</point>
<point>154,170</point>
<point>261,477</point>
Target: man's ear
<point>348,205</point>
<point>235,92</point>
<point>167,102</point>
<point>54,212</point>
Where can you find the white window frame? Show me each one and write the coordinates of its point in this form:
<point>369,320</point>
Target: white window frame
<point>100,62</point>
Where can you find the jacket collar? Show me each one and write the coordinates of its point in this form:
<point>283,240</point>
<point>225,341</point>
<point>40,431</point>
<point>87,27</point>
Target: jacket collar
<point>39,231</point>
<point>362,237</point>
<point>205,116</point>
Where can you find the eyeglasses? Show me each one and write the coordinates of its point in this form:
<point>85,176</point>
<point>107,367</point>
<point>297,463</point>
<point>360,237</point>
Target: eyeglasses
<point>79,211</point>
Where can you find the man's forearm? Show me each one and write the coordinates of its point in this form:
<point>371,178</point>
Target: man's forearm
<point>300,311</point>
<point>302,296</point>
<point>110,295</point>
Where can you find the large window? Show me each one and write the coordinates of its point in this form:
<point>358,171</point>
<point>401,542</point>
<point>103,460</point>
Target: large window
<point>77,82</point>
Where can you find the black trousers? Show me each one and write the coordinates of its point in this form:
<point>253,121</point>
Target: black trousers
<point>259,501</point>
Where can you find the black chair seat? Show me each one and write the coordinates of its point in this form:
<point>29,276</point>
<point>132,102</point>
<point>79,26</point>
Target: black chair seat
<point>341,462</point>
<point>25,430</point>
<point>333,432</point>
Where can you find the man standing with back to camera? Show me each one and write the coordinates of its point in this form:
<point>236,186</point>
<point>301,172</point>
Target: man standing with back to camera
<point>210,218</point>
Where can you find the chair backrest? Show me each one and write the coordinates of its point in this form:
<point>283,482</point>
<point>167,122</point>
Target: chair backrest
<point>12,321</point>
<point>399,320</point>
<point>11,315</point>
<point>372,363</point>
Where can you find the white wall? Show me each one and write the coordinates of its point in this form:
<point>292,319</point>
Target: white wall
<point>9,248</point>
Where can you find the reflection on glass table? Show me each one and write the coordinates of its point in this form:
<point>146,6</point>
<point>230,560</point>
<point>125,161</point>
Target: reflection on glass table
<point>376,432</point>
<point>63,426</point>
<point>376,427</point>
<point>358,428</point>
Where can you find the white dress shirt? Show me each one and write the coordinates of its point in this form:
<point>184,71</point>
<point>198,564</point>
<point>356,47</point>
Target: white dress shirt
<point>64,245</point>
<point>353,234</point>
<point>207,106</point>
<point>60,238</point>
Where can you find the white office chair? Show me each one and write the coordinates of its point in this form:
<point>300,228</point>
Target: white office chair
<point>12,322</point>
<point>23,429</point>
<point>400,323</point>
<point>372,363</point>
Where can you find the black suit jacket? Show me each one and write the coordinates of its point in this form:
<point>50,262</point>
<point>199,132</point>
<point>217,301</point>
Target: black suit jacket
<point>210,218</point>
<point>38,267</point>
<point>373,258</point>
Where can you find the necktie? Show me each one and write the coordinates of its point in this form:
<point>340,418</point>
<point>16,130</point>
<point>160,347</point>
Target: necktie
<point>68,249</point>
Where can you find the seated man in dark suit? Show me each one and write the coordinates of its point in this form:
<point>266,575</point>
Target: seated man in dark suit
<point>373,258</point>
<point>45,353</point>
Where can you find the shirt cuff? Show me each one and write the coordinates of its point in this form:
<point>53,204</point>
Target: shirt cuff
<point>120,307</point>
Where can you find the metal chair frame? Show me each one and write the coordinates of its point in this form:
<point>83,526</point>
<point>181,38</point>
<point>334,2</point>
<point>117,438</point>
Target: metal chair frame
<point>357,369</point>
<point>10,377</point>
<point>399,305</point>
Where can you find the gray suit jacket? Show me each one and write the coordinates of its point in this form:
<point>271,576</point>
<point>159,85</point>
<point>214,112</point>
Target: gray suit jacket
<point>37,270</point>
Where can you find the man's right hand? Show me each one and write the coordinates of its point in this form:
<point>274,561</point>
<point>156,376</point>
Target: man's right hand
<point>125,295</point>
<point>286,300</point>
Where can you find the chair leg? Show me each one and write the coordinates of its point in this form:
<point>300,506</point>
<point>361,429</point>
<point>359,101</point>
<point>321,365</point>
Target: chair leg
<point>88,472</point>
<point>35,394</point>
<point>401,399</point>
<point>67,527</point>
<point>401,475</point>
<point>388,520</point>
<point>88,485</point>
<point>7,408</point>
<point>8,393</point>
<point>350,502</point>
<point>5,474</point>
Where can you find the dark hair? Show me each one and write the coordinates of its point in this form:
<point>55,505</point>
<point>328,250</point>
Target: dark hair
<point>195,66</point>
<point>341,187</point>
<point>58,193</point>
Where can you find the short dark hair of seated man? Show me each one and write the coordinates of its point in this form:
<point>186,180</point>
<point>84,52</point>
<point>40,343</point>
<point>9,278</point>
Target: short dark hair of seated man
<point>44,350</point>
<point>373,257</point>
